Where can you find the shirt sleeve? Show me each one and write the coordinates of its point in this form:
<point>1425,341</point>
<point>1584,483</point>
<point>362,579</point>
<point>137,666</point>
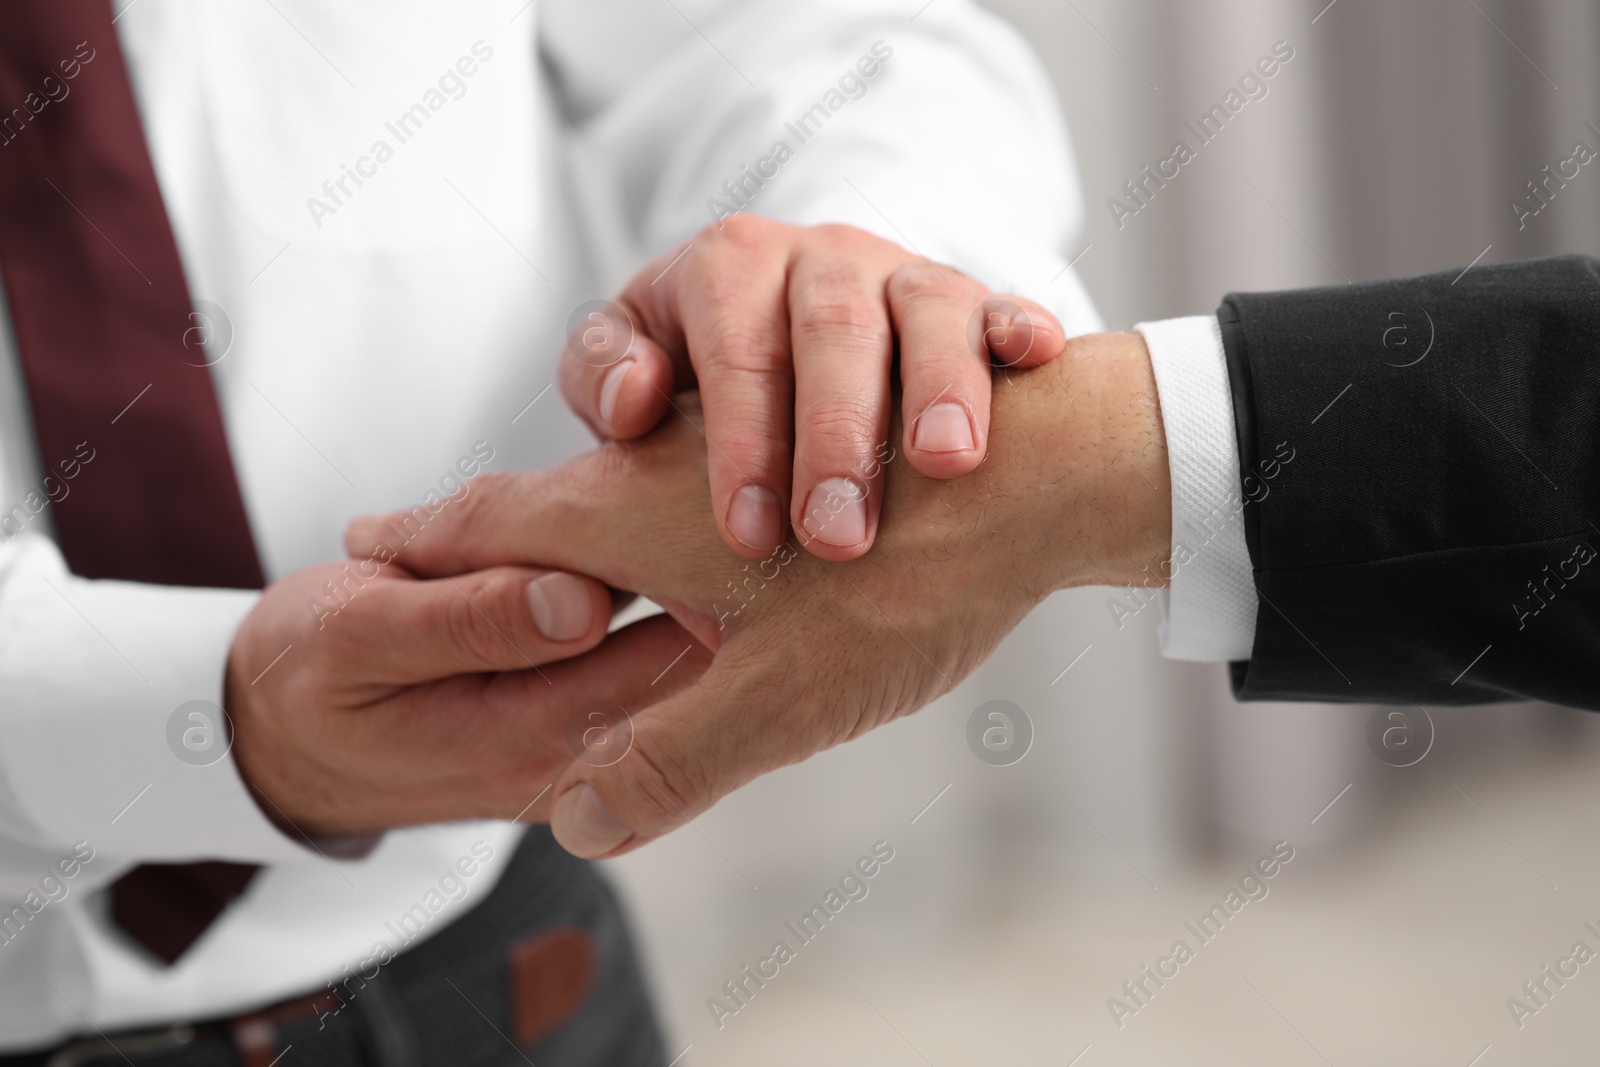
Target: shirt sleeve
<point>940,133</point>
<point>94,675</point>
<point>1209,609</point>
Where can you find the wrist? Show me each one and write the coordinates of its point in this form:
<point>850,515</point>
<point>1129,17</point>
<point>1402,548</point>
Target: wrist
<point>1089,438</point>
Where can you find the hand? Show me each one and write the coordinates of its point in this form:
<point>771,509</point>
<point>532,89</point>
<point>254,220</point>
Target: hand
<point>809,654</point>
<point>398,702</point>
<point>790,333</point>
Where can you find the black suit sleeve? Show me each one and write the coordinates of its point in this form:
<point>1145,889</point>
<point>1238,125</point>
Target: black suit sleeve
<point>1433,534</point>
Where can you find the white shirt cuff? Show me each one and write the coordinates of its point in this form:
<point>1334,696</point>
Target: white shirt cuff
<point>1210,608</point>
<point>92,673</point>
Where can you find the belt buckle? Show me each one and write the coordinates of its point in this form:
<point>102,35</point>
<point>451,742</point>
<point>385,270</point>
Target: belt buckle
<point>83,1052</point>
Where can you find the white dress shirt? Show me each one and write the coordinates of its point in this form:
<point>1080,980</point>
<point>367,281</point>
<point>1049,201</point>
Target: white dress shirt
<point>383,329</point>
<point>1210,607</point>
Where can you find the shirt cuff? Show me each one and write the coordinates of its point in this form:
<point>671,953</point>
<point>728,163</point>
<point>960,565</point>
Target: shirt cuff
<point>92,742</point>
<point>1210,608</point>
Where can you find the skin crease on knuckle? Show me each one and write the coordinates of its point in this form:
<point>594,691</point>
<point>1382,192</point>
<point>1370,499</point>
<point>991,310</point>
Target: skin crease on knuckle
<point>739,349</point>
<point>856,331</point>
<point>459,622</point>
<point>919,283</point>
<point>669,786</point>
<point>436,548</point>
<point>841,426</point>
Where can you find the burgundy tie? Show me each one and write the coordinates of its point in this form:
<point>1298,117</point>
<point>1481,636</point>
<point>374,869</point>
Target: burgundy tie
<point>103,326</point>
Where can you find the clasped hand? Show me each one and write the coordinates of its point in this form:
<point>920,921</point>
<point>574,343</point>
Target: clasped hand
<point>762,659</point>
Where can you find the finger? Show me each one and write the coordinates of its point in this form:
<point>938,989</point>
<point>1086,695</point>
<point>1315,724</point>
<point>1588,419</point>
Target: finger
<point>688,752</point>
<point>1019,333</point>
<point>614,377</point>
<point>843,351</point>
<point>945,383</point>
<point>591,705</point>
<point>726,302</point>
<point>501,741</point>
<point>635,516</point>
<point>501,619</point>
<point>489,526</point>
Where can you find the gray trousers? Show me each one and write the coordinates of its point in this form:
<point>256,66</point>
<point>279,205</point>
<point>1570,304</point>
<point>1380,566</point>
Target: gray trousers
<point>449,1001</point>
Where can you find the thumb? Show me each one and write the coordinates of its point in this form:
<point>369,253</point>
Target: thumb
<point>688,752</point>
<point>500,619</point>
<point>622,389</point>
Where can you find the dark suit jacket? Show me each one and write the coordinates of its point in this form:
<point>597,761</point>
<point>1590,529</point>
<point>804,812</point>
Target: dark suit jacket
<point>1436,537</point>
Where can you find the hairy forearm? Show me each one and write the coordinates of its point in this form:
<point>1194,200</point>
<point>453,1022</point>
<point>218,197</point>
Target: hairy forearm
<point>1082,437</point>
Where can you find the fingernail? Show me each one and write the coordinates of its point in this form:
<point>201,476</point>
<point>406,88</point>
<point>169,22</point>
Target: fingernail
<point>754,518</point>
<point>611,387</point>
<point>561,606</point>
<point>943,428</point>
<point>583,825</point>
<point>1017,339</point>
<point>836,512</point>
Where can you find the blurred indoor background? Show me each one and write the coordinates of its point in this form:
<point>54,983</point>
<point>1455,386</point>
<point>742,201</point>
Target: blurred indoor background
<point>1419,898</point>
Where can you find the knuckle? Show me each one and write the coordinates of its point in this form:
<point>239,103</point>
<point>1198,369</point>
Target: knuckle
<point>461,622</point>
<point>613,463</point>
<point>842,425</point>
<point>744,348</point>
<point>736,290</point>
<point>484,494</point>
<point>843,233</point>
<point>670,787</point>
<point>752,451</point>
<point>842,312</point>
<point>922,282</point>
<point>944,367</point>
<point>741,230</point>
<point>837,298</point>
<point>586,489</point>
<point>336,628</point>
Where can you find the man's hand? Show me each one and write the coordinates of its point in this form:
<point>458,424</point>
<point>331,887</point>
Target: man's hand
<point>362,699</point>
<point>790,334</point>
<point>1075,491</point>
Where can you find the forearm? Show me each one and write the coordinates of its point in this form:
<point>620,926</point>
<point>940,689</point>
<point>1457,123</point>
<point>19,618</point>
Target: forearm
<point>1082,438</point>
